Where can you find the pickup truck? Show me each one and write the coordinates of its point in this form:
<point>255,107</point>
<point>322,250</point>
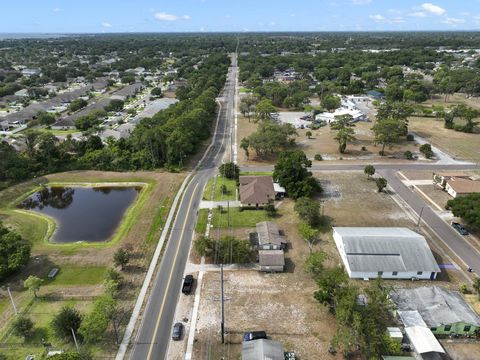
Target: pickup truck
<point>187,284</point>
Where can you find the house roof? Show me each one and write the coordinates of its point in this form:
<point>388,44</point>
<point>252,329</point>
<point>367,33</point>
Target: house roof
<point>372,249</point>
<point>423,340</point>
<point>263,349</point>
<point>256,189</point>
<point>464,186</point>
<point>268,233</point>
<point>271,258</point>
<point>437,306</point>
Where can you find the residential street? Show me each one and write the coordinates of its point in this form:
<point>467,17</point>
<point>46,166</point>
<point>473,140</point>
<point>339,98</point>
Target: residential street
<point>154,334</point>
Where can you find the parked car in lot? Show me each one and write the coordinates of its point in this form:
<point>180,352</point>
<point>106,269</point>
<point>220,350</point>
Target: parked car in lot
<point>459,228</point>
<point>177,331</point>
<point>254,335</point>
<point>187,284</point>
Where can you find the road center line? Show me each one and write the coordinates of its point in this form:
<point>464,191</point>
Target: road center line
<point>160,313</point>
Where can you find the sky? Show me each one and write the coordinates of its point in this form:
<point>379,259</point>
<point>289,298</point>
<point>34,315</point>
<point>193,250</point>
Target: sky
<point>105,16</point>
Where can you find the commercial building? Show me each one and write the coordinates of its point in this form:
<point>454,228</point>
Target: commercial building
<point>389,253</point>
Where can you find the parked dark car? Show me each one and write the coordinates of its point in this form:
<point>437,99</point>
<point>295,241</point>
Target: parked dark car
<point>459,228</point>
<point>187,284</point>
<point>177,331</point>
<point>254,335</point>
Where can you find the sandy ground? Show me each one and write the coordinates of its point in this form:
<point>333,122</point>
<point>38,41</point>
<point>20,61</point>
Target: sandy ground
<point>459,350</point>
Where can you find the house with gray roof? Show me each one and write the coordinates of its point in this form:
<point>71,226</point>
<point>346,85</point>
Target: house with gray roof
<point>444,312</point>
<point>389,253</point>
<point>269,237</point>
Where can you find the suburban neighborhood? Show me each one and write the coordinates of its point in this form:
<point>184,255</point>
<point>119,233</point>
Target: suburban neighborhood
<point>259,194</point>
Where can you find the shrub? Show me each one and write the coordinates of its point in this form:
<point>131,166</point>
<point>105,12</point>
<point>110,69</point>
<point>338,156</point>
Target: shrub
<point>67,319</point>
<point>410,137</point>
<point>318,157</point>
<point>426,150</point>
<point>463,288</point>
<point>408,155</point>
<point>22,326</point>
<point>381,153</point>
<point>364,148</point>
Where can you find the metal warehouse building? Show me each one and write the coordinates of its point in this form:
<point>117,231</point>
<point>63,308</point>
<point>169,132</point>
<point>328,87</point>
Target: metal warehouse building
<point>389,253</point>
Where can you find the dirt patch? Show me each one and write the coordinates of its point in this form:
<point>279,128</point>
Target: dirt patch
<point>272,302</point>
<point>461,350</point>
<point>457,144</point>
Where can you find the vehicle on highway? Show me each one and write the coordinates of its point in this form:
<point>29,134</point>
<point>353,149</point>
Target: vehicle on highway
<point>254,335</point>
<point>459,228</point>
<point>177,331</point>
<point>187,284</point>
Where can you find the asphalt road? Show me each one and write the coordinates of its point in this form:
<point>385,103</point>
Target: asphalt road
<point>378,166</point>
<point>466,252</point>
<point>155,329</point>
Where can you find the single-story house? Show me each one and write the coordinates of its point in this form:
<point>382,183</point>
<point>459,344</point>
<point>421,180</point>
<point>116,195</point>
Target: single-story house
<point>262,349</point>
<point>271,260</point>
<point>389,253</point>
<point>256,190</point>
<point>269,237</point>
<point>441,178</point>
<point>443,312</point>
<point>461,186</point>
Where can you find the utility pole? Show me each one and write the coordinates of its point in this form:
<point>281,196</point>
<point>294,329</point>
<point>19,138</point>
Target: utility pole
<point>420,218</point>
<point>228,213</point>
<point>222,325</point>
<point>13,302</point>
<point>75,339</point>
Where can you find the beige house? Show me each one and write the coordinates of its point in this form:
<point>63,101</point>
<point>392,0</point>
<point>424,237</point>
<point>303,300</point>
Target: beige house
<point>461,186</point>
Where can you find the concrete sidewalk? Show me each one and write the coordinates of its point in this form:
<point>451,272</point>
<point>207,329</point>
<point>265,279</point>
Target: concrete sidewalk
<point>213,204</point>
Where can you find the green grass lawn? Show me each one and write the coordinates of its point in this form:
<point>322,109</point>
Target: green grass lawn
<point>238,219</point>
<point>202,221</point>
<point>40,312</point>
<point>218,196</point>
<point>78,275</point>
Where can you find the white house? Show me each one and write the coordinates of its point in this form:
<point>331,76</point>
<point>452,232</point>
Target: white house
<point>329,117</point>
<point>389,253</point>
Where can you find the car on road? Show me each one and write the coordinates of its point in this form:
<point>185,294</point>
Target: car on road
<point>254,335</point>
<point>187,284</point>
<point>177,331</point>
<point>459,228</point>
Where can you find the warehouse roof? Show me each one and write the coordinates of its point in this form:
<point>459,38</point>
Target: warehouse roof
<point>371,249</point>
<point>437,306</point>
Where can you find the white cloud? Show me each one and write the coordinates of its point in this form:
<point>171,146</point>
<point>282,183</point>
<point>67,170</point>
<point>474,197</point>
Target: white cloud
<point>377,18</point>
<point>382,19</point>
<point>453,21</point>
<point>57,9</point>
<point>361,2</point>
<point>433,9</point>
<point>106,24</point>
<point>419,14</point>
<point>163,16</point>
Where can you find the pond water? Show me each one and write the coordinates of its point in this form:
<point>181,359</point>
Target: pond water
<point>82,213</point>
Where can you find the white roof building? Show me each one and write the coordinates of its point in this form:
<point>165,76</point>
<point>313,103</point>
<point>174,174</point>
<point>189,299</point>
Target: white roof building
<point>423,340</point>
<point>329,117</point>
<point>389,253</point>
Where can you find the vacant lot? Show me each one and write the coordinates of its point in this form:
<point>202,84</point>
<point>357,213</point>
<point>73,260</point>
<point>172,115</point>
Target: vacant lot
<point>322,142</point>
<point>459,350</point>
<point>82,266</point>
<point>230,185</point>
<point>457,144</point>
